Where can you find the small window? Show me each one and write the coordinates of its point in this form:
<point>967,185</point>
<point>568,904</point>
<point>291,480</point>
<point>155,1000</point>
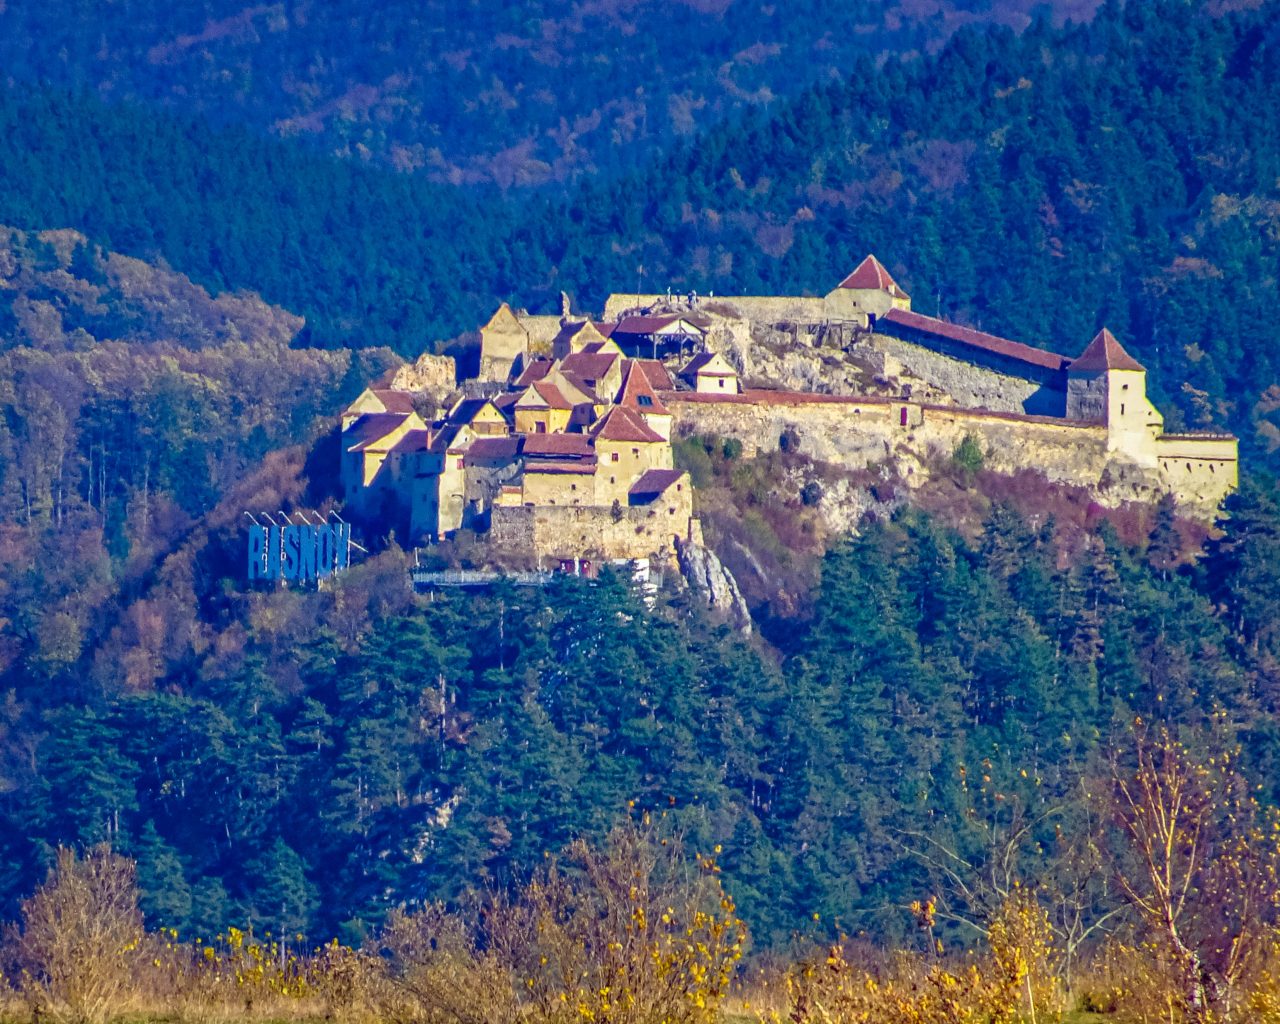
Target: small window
<point>573,487</point>
<point>613,479</point>
<point>635,452</point>
<point>1188,467</point>
<point>1122,408</point>
<point>720,381</point>
<point>539,427</point>
<point>613,457</point>
<point>1124,387</point>
<point>644,400</point>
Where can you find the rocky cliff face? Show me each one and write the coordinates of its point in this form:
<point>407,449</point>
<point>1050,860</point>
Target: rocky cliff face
<point>710,581</point>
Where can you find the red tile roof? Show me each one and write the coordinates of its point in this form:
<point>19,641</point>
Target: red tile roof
<point>371,427</point>
<point>535,371</point>
<point>590,366</point>
<point>638,394</point>
<point>552,395</point>
<point>558,444</point>
<point>604,329</point>
<point>650,324</point>
<point>395,401</point>
<point>659,376</point>
<point>1105,353</point>
<point>654,482</point>
<point>413,442</point>
<point>870,275</point>
<point>975,339</point>
<point>620,424</point>
<point>499,449</point>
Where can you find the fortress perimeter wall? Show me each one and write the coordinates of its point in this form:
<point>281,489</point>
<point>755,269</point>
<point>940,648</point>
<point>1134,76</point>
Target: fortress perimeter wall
<point>859,432</point>
<point>548,532</point>
<point>974,386</point>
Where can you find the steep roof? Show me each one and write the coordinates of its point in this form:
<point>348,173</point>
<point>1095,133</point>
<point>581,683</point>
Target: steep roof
<point>870,275</point>
<point>395,401</point>
<point>412,442</point>
<point>654,482</point>
<point>622,424</point>
<point>551,395</point>
<point>590,366</point>
<point>465,409</point>
<point>1105,353</point>
<point>638,394</point>
<point>700,363</point>
<point>658,375</point>
<point>976,339</point>
<point>535,371</point>
<point>371,427</point>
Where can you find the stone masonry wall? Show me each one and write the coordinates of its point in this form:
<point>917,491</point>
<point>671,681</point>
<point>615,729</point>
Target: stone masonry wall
<point>858,433</point>
<point>971,386</point>
<point>545,533</point>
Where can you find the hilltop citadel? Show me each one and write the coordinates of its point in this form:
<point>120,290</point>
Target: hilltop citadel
<point>561,448</point>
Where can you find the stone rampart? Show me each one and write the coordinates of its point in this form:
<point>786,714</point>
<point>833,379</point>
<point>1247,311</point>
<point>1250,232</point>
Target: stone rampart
<point>551,532</point>
<point>857,433</point>
<point>971,385</point>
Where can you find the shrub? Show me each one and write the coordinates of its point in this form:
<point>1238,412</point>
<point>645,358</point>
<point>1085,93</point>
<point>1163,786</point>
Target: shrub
<point>731,449</point>
<point>968,455</point>
<point>789,441</point>
<point>79,938</point>
<point>811,493</point>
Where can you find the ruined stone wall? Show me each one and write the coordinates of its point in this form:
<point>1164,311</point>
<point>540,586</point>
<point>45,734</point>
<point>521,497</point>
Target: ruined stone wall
<point>970,385</point>
<point>767,309</point>
<point>548,533</point>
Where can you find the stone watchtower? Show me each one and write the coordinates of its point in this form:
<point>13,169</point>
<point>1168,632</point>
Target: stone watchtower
<point>868,292</point>
<point>1107,385</point>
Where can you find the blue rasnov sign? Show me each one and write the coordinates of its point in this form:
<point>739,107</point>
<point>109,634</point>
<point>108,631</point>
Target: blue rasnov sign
<point>300,553</point>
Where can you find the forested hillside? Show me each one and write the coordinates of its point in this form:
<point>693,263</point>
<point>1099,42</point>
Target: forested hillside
<point>513,94</point>
<point>1124,172</point>
<point>306,761</point>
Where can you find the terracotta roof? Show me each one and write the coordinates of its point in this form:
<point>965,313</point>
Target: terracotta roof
<point>654,482</point>
<point>395,401</point>
<point>494,448</point>
<point>590,366</point>
<point>870,275</point>
<point>464,411</point>
<point>1105,353</point>
<point>535,371</point>
<point>371,427</point>
<point>621,424</point>
<point>557,444</point>
<point>412,442</point>
<point>659,376</point>
<point>552,395</point>
<point>975,339</point>
<point>650,324</point>
<point>603,328</point>
<point>585,467</point>
<point>694,366</point>
<point>638,394</point>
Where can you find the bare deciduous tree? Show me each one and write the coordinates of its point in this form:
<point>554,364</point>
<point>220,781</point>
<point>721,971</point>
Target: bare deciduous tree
<point>78,936</point>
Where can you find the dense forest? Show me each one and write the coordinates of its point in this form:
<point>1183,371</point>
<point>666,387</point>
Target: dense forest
<point>311,762</point>
<point>1121,172</point>
<point>514,94</point>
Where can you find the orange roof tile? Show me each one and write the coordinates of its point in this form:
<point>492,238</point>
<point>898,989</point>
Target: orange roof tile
<point>395,401</point>
<point>1105,353</point>
<point>638,394</point>
<point>975,339</point>
<point>870,275</point>
<point>621,424</point>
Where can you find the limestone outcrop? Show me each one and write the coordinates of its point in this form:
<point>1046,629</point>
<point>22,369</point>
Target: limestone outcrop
<point>711,582</point>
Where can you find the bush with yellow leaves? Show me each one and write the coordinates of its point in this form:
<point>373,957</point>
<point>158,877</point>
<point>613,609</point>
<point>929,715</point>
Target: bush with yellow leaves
<point>1014,980</point>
